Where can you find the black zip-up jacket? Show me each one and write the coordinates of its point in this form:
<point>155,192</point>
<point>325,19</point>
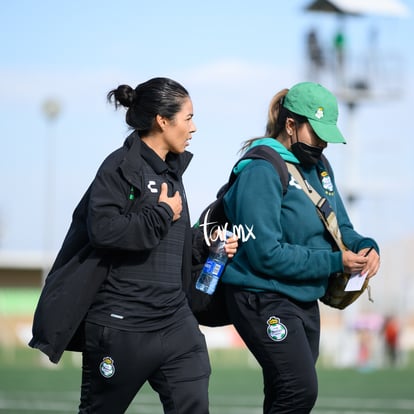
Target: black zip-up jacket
<point>120,242</point>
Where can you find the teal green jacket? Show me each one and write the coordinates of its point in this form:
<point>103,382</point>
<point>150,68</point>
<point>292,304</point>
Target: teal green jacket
<point>286,247</point>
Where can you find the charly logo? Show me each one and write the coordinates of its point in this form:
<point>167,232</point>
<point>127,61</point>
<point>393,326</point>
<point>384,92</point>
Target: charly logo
<point>107,367</point>
<point>276,330</point>
<point>151,187</point>
<point>294,183</point>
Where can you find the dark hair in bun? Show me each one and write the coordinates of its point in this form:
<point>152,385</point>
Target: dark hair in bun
<point>157,96</point>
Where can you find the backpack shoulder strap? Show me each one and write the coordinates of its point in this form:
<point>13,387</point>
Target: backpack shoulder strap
<point>326,164</point>
<point>264,152</point>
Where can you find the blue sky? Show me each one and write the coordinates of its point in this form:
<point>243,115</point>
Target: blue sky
<point>232,57</point>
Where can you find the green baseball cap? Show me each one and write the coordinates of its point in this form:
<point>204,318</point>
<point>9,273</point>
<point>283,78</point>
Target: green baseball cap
<point>319,106</point>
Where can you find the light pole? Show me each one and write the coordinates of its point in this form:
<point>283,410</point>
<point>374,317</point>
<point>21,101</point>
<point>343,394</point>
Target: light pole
<point>51,109</point>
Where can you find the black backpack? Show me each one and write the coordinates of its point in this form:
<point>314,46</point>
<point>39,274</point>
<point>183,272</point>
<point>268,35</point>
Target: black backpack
<point>210,310</point>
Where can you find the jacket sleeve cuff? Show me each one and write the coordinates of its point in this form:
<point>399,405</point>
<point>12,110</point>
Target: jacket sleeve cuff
<point>368,242</point>
<point>167,208</point>
<point>336,262</point>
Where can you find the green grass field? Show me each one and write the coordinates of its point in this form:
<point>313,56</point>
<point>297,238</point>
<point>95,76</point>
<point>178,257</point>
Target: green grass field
<point>29,386</point>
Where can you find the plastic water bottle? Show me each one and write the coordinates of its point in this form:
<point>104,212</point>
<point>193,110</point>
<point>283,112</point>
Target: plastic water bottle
<point>213,267</point>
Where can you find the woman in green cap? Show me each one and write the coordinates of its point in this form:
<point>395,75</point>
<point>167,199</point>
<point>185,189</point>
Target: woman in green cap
<point>274,282</point>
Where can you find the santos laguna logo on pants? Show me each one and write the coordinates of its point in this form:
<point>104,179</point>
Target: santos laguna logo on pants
<point>276,330</point>
<point>243,232</point>
<point>107,367</point>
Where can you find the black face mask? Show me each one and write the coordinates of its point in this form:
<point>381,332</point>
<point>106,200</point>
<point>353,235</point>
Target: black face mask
<point>306,154</point>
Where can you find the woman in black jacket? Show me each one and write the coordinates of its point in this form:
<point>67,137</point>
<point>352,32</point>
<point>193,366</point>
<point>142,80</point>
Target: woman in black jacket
<point>115,291</point>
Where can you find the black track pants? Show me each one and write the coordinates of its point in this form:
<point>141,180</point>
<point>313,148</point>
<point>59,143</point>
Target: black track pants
<point>283,335</point>
<point>117,363</point>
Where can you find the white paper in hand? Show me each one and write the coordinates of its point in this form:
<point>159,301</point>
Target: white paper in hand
<point>355,282</point>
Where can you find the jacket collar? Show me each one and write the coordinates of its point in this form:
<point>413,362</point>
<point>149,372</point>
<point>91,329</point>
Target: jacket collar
<point>136,152</point>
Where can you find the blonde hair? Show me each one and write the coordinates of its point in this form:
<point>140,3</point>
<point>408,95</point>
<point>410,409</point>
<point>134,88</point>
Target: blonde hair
<point>275,122</point>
